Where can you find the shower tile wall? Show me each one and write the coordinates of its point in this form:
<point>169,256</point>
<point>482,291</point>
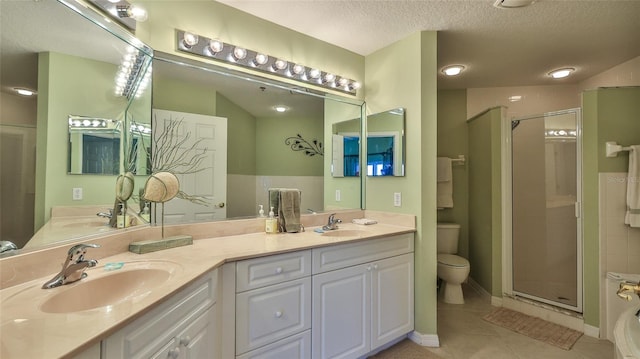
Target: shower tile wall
<point>619,243</point>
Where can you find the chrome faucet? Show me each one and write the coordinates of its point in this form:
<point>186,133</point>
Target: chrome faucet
<point>332,223</point>
<point>627,289</point>
<point>105,214</point>
<point>74,266</point>
<point>6,246</point>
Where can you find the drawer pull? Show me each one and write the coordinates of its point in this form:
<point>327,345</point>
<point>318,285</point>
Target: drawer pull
<point>174,353</point>
<point>278,270</point>
<point>278,314</point>
<point>185,341</point>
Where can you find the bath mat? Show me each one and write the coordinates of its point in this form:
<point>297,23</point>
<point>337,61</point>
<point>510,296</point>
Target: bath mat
<point>535,328</point>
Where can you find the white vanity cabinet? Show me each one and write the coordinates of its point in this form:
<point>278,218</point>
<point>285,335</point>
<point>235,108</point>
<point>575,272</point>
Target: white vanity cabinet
<point>185,326</point>
<point>273,306</point>
<point>362,296</point>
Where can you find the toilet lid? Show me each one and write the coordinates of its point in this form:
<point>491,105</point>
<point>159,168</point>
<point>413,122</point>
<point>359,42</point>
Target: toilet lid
<point>452,260</point>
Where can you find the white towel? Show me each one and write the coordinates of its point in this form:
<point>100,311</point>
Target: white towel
<point>444,180</point>
<point>633,188</point>
<point>444,169</point>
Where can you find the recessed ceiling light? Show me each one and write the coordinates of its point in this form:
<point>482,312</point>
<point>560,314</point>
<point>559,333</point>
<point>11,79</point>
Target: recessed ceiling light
<point>453,70</point>
<point>561,73</point>
<point>280,108</point>
<point>515,98</point>
<point>511,4</point>
<point>24,92</point>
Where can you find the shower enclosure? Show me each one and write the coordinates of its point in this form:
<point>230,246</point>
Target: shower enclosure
<point>546,196</point>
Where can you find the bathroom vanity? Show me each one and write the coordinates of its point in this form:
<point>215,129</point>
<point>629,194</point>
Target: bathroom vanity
<point>305,295</point>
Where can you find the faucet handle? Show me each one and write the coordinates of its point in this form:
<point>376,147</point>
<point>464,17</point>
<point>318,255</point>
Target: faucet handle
<point>80,250</point>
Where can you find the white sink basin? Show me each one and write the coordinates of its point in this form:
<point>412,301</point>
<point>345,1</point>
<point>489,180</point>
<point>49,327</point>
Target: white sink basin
<point>344,233</point>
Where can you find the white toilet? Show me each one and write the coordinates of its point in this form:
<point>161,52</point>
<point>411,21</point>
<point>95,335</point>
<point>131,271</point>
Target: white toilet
<point>452,269</point>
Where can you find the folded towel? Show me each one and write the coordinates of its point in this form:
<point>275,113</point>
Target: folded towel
<point>289,211</point>
<point>444,181</point>
<point>444,169</point>
<point>632,218</point>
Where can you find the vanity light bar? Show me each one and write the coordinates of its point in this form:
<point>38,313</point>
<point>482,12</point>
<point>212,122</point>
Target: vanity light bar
<point>232,54</point>
<point>128,82</point>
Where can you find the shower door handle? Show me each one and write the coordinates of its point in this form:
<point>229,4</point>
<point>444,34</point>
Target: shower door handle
<point>577,209</point>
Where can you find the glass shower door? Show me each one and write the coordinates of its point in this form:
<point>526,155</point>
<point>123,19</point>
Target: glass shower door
<point>545,223</point>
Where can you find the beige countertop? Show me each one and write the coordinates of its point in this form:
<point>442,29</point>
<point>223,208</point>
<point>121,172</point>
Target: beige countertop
<point>28,332</point>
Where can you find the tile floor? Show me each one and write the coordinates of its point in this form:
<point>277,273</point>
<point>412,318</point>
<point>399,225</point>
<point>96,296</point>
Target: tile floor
<point>464,334</point>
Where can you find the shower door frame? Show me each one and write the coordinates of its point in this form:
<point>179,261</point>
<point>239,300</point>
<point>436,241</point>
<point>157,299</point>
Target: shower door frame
<point>507,210</point>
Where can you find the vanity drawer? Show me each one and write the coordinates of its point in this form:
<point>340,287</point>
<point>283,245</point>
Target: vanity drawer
<point>345,255</point>
<point>296,346</point>
<point>264,271</point>
<point>266,315</point>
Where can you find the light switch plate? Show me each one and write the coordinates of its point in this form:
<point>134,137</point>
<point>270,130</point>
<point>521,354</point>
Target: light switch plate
<point>77,194</point>
<point>397,199</point>
<point>338,195</point>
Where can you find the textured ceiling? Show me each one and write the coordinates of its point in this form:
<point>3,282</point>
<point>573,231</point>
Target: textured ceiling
<point>499,47</point>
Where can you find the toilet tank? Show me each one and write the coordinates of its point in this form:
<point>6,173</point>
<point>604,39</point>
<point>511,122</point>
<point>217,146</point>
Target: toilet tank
<point>447,237</point>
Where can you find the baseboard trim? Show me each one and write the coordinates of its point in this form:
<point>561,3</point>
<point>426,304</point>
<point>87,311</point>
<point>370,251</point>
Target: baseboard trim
<point>591,331</point>
<point>426,340</point>
<point>495,301</point>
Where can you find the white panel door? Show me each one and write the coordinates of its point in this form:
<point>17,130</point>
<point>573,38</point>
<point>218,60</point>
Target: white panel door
<point>341,325</point>
<point>211,182</point>
<point>392,299</point>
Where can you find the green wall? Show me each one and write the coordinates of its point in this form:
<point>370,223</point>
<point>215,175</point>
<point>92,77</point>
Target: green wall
<point>404,75</point>
<point>453,140</point>
<point>485,215</point>
<point>69,85</point>
<point>275,158</point>
<point>241,143</point>
<point>608,114</point>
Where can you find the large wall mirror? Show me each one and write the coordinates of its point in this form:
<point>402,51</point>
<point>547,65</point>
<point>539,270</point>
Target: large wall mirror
<point>72,65</point>
<point>274,138</point>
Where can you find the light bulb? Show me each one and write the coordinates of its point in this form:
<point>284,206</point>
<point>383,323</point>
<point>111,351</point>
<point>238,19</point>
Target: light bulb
<point>260,59</point>
<point>189,39</point>
<point>279,65</point>
<point>314,73</point>
<point>137,13</point>
<point>298,69</point>
<point>329,77</point>
<point>239,53</point>
<point>216,46</point>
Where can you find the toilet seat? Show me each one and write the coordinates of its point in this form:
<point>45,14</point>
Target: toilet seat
<point>452,260</point>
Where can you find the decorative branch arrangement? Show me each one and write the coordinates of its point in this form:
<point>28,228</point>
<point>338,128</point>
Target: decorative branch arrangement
<point>297,143</point>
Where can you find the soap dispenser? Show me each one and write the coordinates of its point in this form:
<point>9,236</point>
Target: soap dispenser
<point>271,223</point>
<point>261,212</point>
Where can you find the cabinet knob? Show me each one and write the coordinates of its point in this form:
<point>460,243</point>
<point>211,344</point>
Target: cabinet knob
<point>278,270</point>
<point>174,353</point>
<point>375,266</point>
<point>368,267</point>
<point>278,314</point>
<point>185,341</point>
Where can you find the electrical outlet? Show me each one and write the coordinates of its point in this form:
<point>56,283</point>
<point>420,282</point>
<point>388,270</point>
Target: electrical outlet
<point>77,194</point>
<point>338,195</point>
<point>397,199</point>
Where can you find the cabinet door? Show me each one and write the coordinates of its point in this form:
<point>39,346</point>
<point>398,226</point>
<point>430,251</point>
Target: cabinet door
<point>198,340</point>
<point>392,299</point>
<point>341,313</point>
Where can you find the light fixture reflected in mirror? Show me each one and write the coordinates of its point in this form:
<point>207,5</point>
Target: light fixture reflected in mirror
<point>561,73</point>
<point>453,70</point>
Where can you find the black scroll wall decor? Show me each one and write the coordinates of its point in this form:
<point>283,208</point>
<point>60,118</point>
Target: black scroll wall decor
<point>297,143</point>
